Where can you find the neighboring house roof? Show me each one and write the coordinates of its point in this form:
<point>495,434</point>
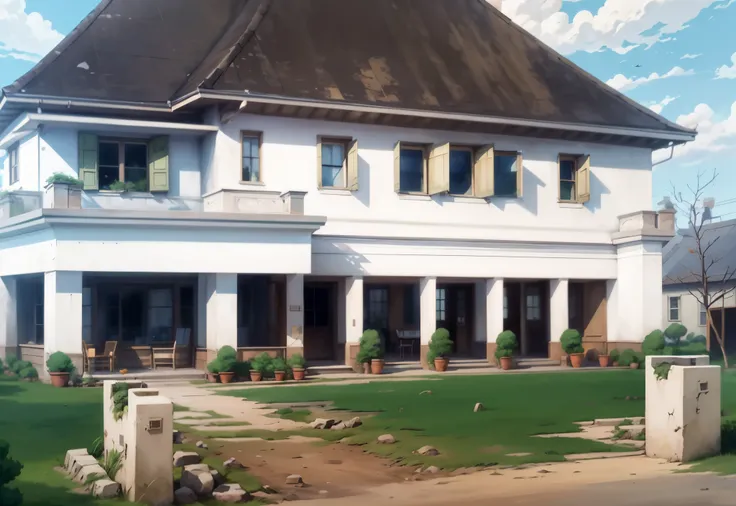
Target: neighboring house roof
<point>454,56</point>
<point>681,263</point>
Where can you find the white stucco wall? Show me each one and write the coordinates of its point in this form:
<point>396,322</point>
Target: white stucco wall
<point>689,308</point>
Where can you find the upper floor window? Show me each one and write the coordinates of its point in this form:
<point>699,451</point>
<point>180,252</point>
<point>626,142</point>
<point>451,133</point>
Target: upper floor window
<point>674,308</point>
<point>703,316</point>
<point>410,168</point>
<point>337,163</point>
<point>123,164</point>
<point>13,164</point>
<point>574,178</point>
<point>251,167</point>
<point>533,304</point>
<point>461,170</point>
<point>506,174</point>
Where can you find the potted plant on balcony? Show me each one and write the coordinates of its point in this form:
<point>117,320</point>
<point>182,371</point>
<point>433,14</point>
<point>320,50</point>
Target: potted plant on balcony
<point>63,191</point>
<point>60,367</point>
<point>572,343</point>
<point>121,187</point>
<point>280,369</point>
<point>506,344</point>
<point>260,367</point>
<point>370,352</point>
<point>440,347</point>
<point>298,366</point>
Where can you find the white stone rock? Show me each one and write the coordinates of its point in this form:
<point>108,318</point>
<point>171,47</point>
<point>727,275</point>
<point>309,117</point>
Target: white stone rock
<point>230,493</point>
<point>182,459</point>
<point>87,472</point>
<point>106,489</point>
<point>432,470</point>
<point>70,456</point>
<point>294,479</point>
<point>219,479</point>
<point>185,495</point>
<point>478,407</point>
<point>428,451</point>
<point>197,468</point>
<point>201,482</point>
<point>353,422</point>
<point>231,463</point>
<point>323,423</point>
<point>386,439</point>
<point>202,444</point>
<point>339,426</point>
<point>79,461</point>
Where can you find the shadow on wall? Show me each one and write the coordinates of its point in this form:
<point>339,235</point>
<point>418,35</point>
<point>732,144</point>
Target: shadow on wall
<point>139,201</point>
<point>364,182</point>
<point>597,190</point>
<point>529,201</point>
<point>338,257</point>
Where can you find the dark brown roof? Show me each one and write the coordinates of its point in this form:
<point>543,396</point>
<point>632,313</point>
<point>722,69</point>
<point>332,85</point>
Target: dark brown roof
<point>456,56</point>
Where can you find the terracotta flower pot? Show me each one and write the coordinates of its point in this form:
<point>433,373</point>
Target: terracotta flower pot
<point>255,376</point>
<point>280,375</point>
<point>366,367</point>
<point>377,366</point>
<point>59,379</point>
<point>634,365</point>
<point>226,377</point>
<point>440,364</point>
<point>298,373</point>
<point>211,377</point>
<point>576,359</point>
<point>603,360</point>
<point>507,363</point>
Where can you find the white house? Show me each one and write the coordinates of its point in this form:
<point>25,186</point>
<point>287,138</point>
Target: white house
<point>281,174</point>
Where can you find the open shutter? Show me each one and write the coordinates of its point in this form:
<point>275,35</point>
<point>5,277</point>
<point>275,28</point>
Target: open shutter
<point>158,164</point>
<point>582,179</point>
<point>319,162</point>
<point>352,168</point>
<point>519,175</point>
<point>439,169</point>
<point>483,172</point>
<point>88,161</point>
<point>397,167</point>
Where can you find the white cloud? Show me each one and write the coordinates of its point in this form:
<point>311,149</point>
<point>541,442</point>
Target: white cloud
<point>622,83</point>
<point>713,135</point>
<point>726,72</point>
<point>658,106</point>
<point>725,5</point>
<point>24,35</point>
<point>620,25</point>
<point>689,56</point>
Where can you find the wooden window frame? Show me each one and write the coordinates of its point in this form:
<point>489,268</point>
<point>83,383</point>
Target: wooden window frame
<point>567,158</point>
<point>13,164</point>
<point>121,142</point>
<point>472,150</point>
<point>519,164</point>
<point>243,135</point>
<point>424,148</point>
<point>678,309</point>
<point>331,139</point>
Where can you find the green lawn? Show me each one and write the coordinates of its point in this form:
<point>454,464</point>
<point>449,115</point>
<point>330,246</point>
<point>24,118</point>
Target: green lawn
<point>41,423</point>
<point>517,406</point>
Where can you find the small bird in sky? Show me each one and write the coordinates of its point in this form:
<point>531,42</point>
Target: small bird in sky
<point>637,65</point>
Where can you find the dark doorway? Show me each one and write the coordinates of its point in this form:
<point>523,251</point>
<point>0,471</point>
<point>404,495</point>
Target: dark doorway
<point>376,310</point>
<point>320,325</point>
<point>454,312</point>
<point>535,337</point>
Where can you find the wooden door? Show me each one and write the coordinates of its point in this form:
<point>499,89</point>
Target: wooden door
<point>594,308</point>
<point>319,322</point>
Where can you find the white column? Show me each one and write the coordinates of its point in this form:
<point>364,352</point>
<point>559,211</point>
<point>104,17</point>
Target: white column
<point>222,311</point>
<point>427,311</point>
<point>353,303</point>
<point>295,311</point>
<point>8,316</point>
<point>559,317</point>
<point>612,318</point>
<point>62,314</point>
<point>201,311</point>
<point>494,308</point>
<point>639,287</point>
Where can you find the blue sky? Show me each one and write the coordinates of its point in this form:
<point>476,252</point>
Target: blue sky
<point>677,57</point>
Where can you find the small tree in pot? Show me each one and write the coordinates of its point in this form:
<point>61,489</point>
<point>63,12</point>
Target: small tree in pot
<point>572,343</point>
<point>370,354</point>
<point>213,370</point>
<point>280,368</point>
<point>506,344</point>
<point>60,367</point>
<point>298,366</point>
<point>440,347</point>
<point>227,358</point>
<point>261,367</point>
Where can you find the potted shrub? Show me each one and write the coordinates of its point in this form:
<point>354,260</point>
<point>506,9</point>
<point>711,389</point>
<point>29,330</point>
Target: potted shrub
<point>630,358</point>
<point>213,371</point>
<point>613,357</point>
<point>280,368</point>
<point>260,367</point>
<point>64,191</point>
<point>370,351</point>
<point>440,347</point>
<point>226,358</point>
<point>603,360</point>
<point>572,344</point>
<point>298,366</point>
<point>506,343</point>
<point>60,367</point>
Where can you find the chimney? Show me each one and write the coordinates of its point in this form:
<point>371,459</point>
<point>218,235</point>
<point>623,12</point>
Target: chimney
<point>495,3</point>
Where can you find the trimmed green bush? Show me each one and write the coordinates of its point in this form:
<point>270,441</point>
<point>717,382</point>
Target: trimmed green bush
<point>571,341</point>
<point>227,352</point>
<point>675,331</point>
<point>10,361</point>
<point>241,369</point>
<point>440,346</point>
<point>506,344</point>
<point>60,177</point>
<point>60,362</point>
<point>728,437</point>
<point>9,470</point>
<point>628,357</point>
<point>279,364</point>
<point>370,347</point>
<point>119,395</point>
<point>29,373</point>
<point>614,355</point>
<point>701,339</point>
<point>215,366</point>
<point>263,364</point>
<point>654,343</point>
<point>19,365</point>
<point>296,361</point>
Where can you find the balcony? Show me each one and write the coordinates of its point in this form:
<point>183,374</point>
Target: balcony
<point>651,225</point>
